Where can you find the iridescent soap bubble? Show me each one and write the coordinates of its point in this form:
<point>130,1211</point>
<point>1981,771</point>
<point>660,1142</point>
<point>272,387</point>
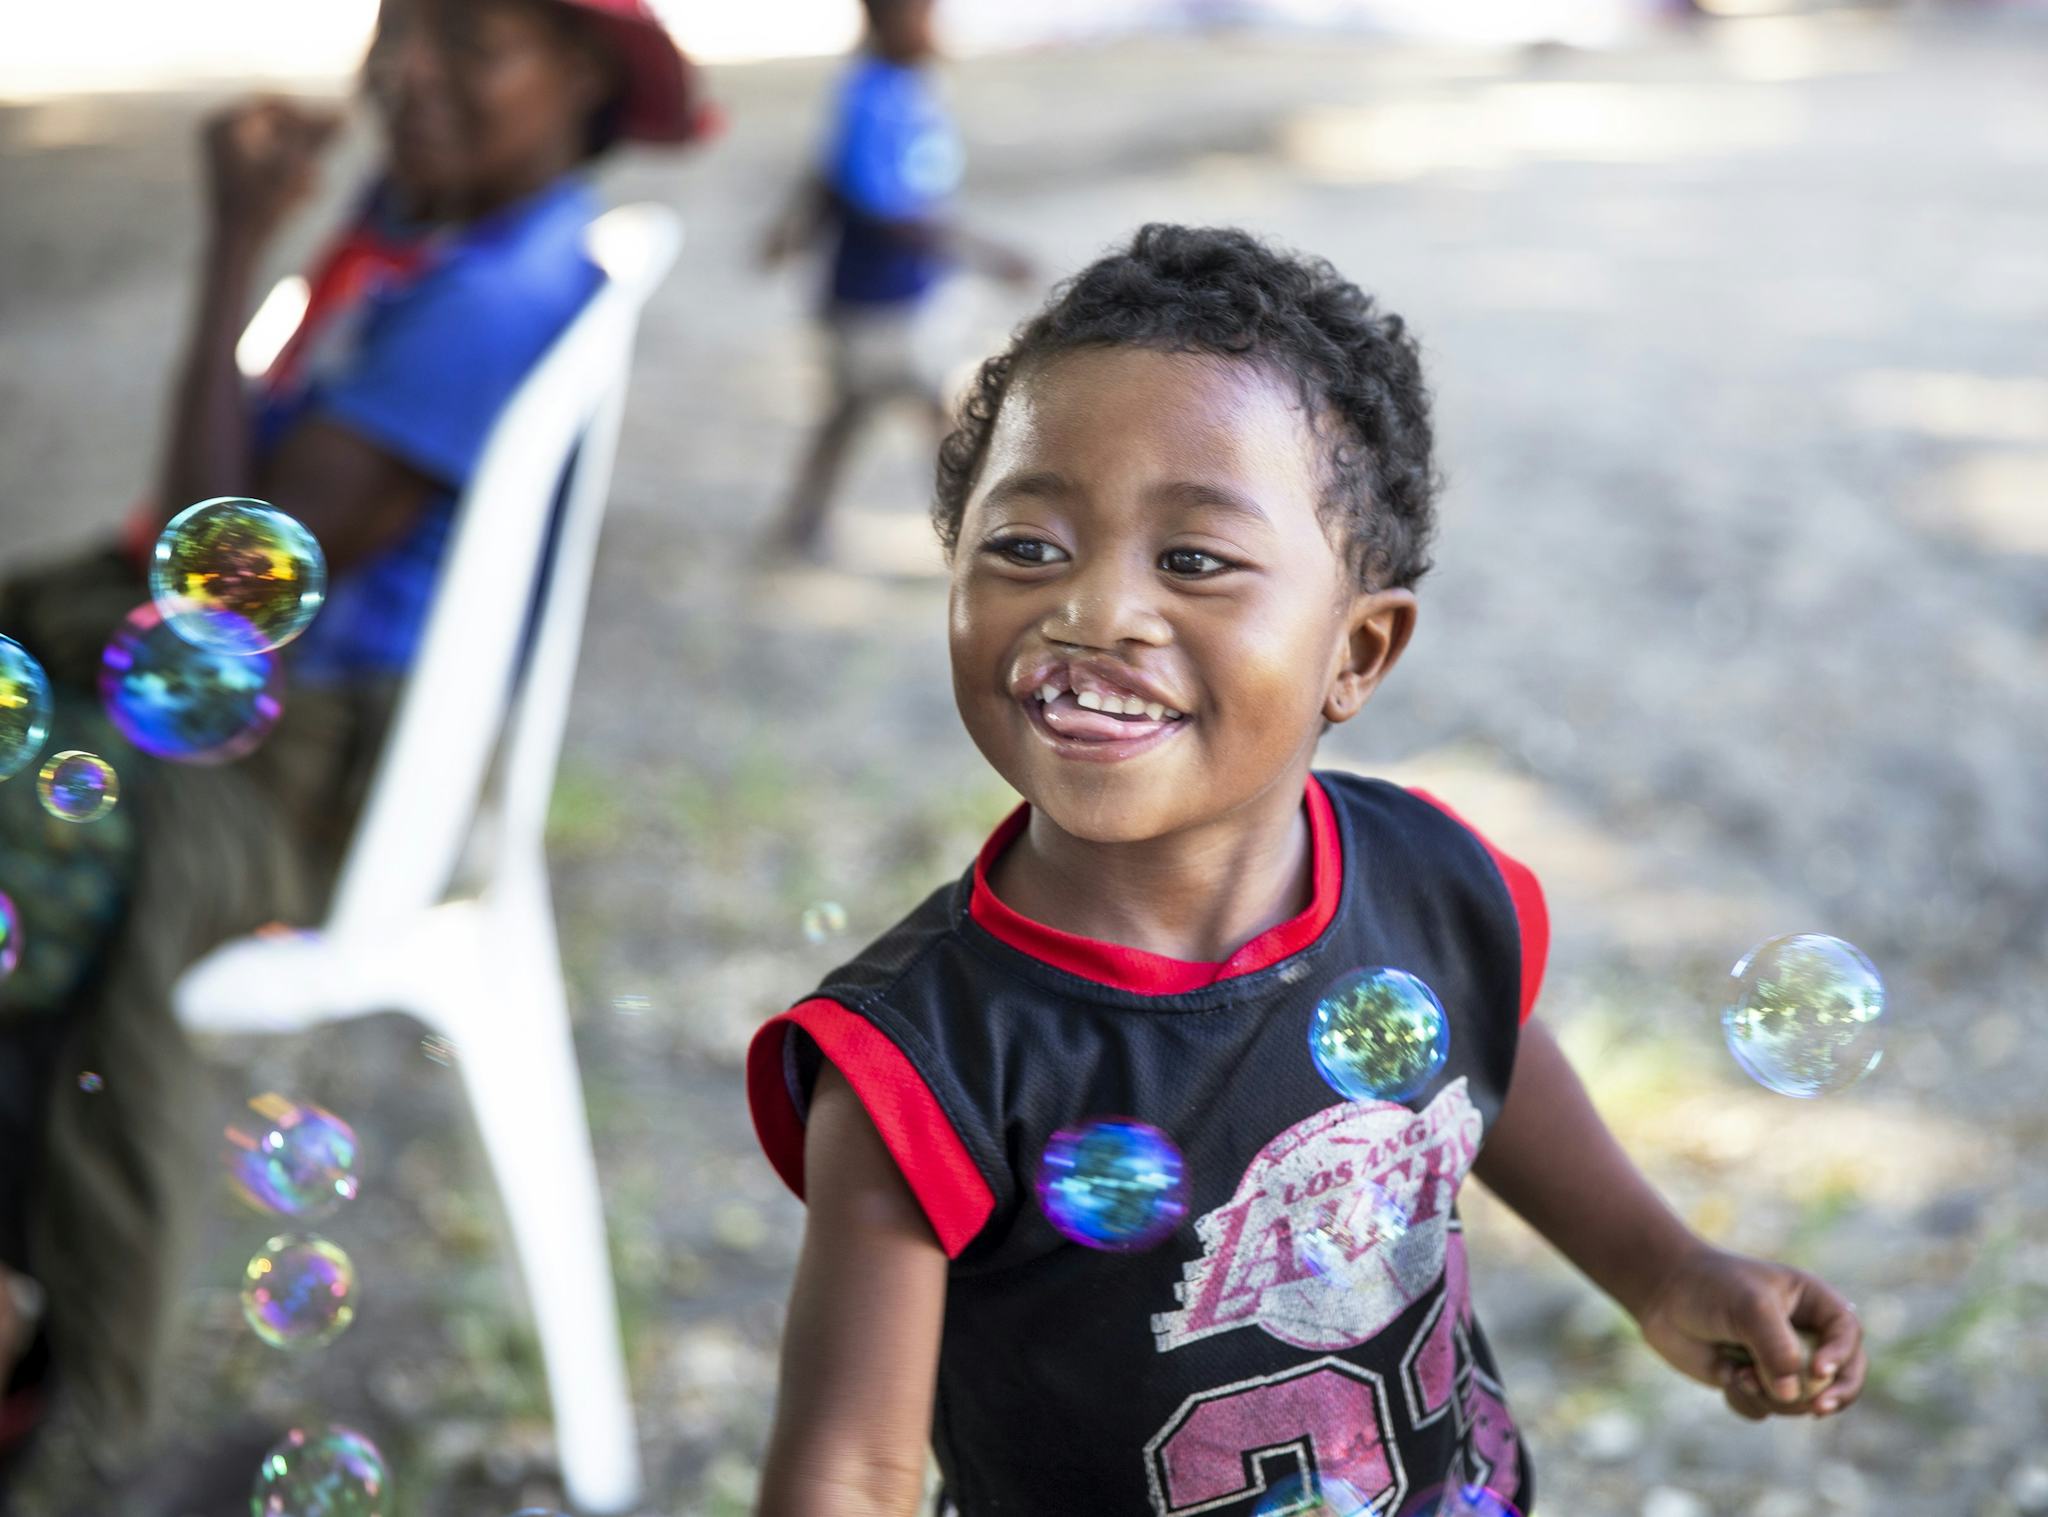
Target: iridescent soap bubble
<point>327,1472</point>
<point>1379,1035</point>
<point>1113,1183</point>
<point>1314,1496</point>
<point>1334,1244</point>
<point>175,700</point>
<point>439,1049</point>
<point>291,1158</point>
<point>299,1292</point>
<point>823,921</point>
<point>24,708</point>
<point>244,557</point>
<point>76,786</point>
<point>1473,1501</point>
<point>10,935</point>
<point>1805,1015</point>
<point>90,1082</point>
<point>632,1004</point>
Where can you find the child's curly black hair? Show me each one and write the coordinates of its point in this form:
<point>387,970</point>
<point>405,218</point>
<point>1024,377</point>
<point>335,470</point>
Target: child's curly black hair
<point>1221,290</point>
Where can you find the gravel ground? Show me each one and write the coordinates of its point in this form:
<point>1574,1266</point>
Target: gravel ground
<point>1739,629</point>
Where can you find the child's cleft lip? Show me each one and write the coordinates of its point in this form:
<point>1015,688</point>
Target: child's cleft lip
<point>1096,708</point>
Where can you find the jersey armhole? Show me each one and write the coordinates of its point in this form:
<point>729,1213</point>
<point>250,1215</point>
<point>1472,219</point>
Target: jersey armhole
<point>920,1137</point>
<point>1532,915</point>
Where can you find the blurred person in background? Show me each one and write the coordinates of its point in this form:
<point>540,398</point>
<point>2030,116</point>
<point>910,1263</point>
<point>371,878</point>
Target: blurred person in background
<point>881,195</point>
<point>448,279</point>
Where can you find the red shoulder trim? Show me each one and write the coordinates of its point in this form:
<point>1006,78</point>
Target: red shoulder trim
<point>915,1129</point>
<point>1532,916</point>
<point>1156,974</point>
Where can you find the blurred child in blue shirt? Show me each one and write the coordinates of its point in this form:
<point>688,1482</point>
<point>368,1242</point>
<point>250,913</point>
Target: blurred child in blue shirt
<point>881,193</point>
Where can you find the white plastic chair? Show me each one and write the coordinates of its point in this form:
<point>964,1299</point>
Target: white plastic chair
<point>442,907</point>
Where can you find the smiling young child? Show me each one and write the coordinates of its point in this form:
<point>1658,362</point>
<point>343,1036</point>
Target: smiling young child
<point>1186,512</point>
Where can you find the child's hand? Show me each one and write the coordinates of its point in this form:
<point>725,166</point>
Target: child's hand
<point>1736,1323</point>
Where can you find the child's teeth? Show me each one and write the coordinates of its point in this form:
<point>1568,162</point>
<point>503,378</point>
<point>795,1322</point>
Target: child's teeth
<point>1048,692</point>
<point>1154,710</point>
<point>1171,714</point>
<point>1090,700</point>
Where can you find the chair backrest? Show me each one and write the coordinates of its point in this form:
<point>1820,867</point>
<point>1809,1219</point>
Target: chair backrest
<point>528,520</point>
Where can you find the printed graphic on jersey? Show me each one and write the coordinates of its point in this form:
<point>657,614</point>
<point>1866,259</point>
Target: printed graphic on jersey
<point>1237,1441</point>
<point>1319,1176</point>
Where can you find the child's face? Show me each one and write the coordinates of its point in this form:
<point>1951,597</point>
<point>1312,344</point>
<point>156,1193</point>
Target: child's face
<point>1145,526</point>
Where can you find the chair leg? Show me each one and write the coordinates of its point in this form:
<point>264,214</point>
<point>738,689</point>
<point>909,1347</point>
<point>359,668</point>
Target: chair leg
<point>509,1018</point>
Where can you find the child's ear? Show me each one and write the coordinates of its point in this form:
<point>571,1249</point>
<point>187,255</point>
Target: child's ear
<point>1380,624</point>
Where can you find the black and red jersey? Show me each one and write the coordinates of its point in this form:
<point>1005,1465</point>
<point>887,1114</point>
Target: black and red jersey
<point>1198,1375</point>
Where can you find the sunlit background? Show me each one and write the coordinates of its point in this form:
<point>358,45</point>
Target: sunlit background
<point>1737,323</point>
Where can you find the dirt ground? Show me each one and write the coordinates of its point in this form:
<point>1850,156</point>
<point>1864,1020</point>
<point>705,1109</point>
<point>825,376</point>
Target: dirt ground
<point>1739,629</point>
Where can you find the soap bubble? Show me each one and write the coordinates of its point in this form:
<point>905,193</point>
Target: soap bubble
<point>175,700</point>
<point>1335,1244</point>
<point>1113,1183</point>
<point>75,786</point>
<point>825,920</point>
<point>90,1083</point>
<point>10,935</point>
<point>631,1004</point>
<point>291,1158</point>
<point>1806,1014</point>
<point>1314,1496</point>
<point>1472,1501</point>
<point>24,708</point>
<point>329,1472</point>
<point>299,1292</point>
<point>244,557</point>
<point>439,1049</point>
<point>1379,1035</point>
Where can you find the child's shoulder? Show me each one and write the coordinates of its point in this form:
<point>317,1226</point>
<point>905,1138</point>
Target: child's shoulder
<point>1382,813</point>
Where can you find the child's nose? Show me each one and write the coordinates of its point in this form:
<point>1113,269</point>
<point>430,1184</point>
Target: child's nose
<point>1108,604</point>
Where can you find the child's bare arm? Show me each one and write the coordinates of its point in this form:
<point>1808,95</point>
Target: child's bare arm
<point>861,1350</point>
<point>1552,1159</point>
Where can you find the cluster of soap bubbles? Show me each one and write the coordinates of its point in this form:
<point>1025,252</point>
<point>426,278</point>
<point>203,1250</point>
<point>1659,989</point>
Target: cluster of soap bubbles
<point>1119,1184</point>
<point>299,1292</point>
<point>291,1159</point>
<point>322,1472</point>
<point>188,676</point>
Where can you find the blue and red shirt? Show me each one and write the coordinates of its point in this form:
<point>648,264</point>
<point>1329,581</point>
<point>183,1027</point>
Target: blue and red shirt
<point>893,157</point>
<point>1197,1376</point>
<point>414,338</point>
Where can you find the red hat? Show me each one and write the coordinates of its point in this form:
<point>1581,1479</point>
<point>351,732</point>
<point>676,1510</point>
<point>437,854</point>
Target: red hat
<point>664,99</point>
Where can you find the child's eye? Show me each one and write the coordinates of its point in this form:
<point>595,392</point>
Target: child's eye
<point>1022,550</point>
<point>1192,563</point>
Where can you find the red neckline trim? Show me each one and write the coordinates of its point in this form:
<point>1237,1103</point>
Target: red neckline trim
<point>1157,974</point>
